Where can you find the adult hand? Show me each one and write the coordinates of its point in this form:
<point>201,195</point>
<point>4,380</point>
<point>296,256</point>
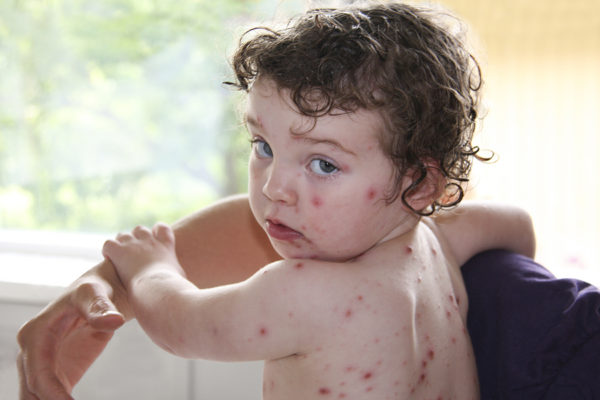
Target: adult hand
<point>64,339</point>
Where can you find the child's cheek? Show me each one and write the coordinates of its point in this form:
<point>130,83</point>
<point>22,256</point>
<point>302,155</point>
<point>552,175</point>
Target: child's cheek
<point>371,194</point>
<point>316,201</point>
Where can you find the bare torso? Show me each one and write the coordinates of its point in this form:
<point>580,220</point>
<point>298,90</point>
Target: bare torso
<point>391,325</point>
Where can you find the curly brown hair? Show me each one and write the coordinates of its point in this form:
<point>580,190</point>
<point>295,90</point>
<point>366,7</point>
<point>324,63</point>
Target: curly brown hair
<point>393,58</point>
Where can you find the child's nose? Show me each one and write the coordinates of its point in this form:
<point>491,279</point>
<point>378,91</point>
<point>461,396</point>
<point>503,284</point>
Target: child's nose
<point>280,185</point>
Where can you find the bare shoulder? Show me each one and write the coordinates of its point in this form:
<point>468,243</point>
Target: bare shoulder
<point>305,276</point>
<point>327,287</point>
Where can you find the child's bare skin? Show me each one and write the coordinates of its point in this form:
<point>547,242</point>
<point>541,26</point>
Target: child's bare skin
<point>367,303</point>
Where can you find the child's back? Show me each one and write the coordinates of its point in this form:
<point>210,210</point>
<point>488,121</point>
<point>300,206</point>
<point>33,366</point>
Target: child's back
<point>388,325</point>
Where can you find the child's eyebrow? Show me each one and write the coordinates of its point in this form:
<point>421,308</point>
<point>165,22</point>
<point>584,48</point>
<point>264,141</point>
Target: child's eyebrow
<point>250,120</point>
<point>253,122</point>
<point>330,142</point>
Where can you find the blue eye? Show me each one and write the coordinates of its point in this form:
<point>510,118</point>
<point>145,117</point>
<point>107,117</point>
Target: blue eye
<point>262,148</point>
<point>323,167</point>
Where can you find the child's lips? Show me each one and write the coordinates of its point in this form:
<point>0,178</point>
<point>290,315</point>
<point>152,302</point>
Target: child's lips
<point>279,231</point>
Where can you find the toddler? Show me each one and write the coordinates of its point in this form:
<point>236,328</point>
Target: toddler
<point>360,121</point>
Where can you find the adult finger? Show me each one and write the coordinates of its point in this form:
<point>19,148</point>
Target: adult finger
<point>24,392</point>
<point>93,302</point>
<point>37,379</point>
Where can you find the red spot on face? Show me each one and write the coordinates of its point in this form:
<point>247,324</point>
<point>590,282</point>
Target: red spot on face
<point>317,201</point>
<point>324,390</point>
<point>422,378</point>
<point>409,250</point>
<point>350,368</point>
<point>263,331</point>
<point>448,314</point>
<point>348,313</point>
<point>299,265</point>
<point>434,252</point>
<point>367,375</point>
<point>371,193</point>
<point>369,389</point>
<point>453,340</point>
<point>342,396</point>
<point>359,298</point>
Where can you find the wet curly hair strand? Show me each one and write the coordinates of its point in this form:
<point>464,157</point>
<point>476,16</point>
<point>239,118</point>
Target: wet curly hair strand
<point>393,58</point>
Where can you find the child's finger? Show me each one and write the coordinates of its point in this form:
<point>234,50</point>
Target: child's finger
<point>163,233</point>
<point>124,237</point>
<point>110,248</point>
<point>141,232</point>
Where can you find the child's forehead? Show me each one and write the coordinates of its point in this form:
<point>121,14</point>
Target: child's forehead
<point>268,100</point>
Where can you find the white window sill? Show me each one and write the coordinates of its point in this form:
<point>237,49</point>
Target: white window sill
<point>35,266</point>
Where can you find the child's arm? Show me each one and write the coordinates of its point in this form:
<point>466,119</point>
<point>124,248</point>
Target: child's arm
<point>232,322</point>
<point>474,227</point>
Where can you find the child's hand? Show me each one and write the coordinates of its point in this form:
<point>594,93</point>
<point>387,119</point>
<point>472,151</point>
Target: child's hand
<point>142,250</point>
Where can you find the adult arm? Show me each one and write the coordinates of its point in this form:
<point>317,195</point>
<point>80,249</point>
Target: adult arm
<point>60,343</point>
<point>477,226</point>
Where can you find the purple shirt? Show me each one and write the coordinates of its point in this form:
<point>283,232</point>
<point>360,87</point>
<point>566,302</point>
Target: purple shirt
<point>534,336</point>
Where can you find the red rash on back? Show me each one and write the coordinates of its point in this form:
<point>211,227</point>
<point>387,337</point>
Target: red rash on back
<point>431,354</point>
<point>324,390</point>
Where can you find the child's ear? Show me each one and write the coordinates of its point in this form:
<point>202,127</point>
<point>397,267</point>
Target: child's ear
<point>429,185</point>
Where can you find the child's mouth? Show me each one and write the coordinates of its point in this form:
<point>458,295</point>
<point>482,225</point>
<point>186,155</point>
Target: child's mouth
<point>281,232</point>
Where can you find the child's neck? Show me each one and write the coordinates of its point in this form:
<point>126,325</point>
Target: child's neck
<point>405,226</point>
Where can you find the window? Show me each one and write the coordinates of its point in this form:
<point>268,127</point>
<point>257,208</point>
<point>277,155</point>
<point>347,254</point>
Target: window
<point>113,114</point>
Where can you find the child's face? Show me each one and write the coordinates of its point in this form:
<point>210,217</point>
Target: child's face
<point>320,192</point>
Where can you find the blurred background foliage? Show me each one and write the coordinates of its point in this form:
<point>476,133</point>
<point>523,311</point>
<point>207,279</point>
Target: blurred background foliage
<point>113,112</point>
